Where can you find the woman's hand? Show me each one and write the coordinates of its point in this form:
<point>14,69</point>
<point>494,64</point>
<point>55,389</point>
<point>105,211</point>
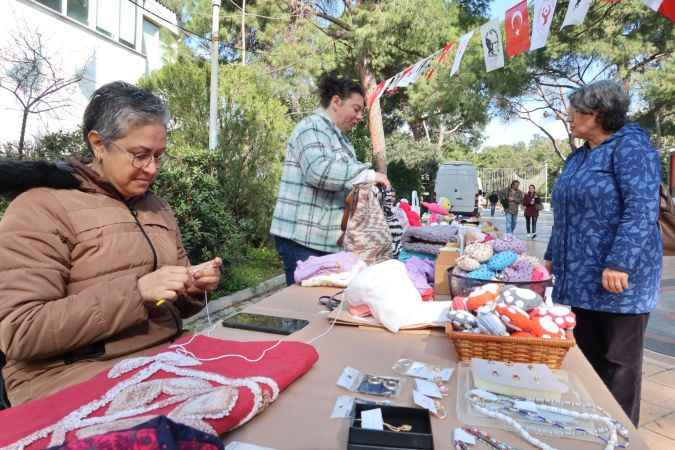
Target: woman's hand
<point>205,276</point>
<point>382,180</point>
<point>614,280</point>
<point>165,283</point>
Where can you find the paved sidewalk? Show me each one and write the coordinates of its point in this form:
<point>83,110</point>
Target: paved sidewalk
<point>657,417</point>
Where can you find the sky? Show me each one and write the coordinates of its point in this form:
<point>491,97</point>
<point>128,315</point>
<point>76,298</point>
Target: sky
<point>499,132</point>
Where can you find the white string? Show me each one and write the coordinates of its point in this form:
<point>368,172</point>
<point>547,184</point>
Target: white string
<point>181,348</point>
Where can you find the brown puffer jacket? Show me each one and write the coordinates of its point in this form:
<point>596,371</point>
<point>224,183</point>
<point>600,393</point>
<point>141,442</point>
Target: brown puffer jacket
<point>69,264</point>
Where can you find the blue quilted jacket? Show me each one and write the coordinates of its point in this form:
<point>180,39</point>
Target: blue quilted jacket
<point>606,208</point>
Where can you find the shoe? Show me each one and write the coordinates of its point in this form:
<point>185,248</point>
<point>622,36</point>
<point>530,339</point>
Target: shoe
<point>534,235</point>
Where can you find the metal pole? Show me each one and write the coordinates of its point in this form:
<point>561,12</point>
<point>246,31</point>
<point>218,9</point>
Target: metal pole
<point>546,181</point>
<point>213,98</point>
<point>243,32</point>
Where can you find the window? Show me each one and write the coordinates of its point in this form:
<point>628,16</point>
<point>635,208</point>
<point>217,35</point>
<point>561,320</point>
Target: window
<point>107,16</point>
<point>128,23</point>
<point>151,46</point>
<point>53,4</point>
<point>78,10</point>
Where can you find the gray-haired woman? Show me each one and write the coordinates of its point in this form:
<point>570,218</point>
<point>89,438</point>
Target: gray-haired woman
<point>605,247</point>
<point>94,271</point>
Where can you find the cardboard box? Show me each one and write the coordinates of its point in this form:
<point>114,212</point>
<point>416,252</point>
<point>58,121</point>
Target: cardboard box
<point>445,260</point>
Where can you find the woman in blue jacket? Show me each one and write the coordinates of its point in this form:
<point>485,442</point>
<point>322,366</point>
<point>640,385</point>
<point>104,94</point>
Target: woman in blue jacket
<point>605,248</point>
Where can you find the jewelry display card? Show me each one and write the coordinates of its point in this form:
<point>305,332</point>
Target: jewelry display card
<point>356,381</point>
<point>517,379</point>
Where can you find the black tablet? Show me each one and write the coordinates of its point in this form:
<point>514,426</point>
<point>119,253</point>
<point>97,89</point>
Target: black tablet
<point>267,324</point>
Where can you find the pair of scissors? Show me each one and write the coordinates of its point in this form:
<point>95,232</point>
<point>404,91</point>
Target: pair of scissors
<point>330,301</point>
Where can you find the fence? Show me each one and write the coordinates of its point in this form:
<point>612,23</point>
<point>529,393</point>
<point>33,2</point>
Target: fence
<point>499,179</point>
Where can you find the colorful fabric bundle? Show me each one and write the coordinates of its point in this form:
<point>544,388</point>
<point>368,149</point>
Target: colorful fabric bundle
<point>509,242</point>
<point>482,273</point>
<point>502,260</point>
<point>413,218</point>
<point>421,272</point>
<point>429,239</point>
<point>467,263</point>
<point>479,251</point>
<point>340,262</point>
<point>395,226</point>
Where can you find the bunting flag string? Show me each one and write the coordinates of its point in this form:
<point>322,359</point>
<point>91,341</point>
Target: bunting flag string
<point>541,22</point>
<point>519,38</point>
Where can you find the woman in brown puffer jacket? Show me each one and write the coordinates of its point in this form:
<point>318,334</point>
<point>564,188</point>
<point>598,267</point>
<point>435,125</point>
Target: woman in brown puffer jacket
<point>94,270</point>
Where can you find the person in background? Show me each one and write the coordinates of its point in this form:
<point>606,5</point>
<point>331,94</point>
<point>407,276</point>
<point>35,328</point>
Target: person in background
<point>493,198</point>
<point>532,204</point>
<point>511,198</point>
<point>319,170</point>
<point>478,204</point>
<point>605,248</point>
<point>92,268</point>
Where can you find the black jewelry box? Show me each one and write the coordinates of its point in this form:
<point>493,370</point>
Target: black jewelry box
<point>419,437</point>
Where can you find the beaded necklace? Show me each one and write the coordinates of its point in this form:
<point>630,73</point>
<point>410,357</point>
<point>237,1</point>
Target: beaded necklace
<point>503,408</point>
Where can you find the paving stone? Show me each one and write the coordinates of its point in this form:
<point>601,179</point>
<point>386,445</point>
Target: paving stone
<point>656,441</point>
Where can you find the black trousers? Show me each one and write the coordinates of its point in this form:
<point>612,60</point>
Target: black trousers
<point>613,344</point>
<point>531,222</point>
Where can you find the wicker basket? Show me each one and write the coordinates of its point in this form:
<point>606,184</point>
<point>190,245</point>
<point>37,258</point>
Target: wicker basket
<point>512,349</point>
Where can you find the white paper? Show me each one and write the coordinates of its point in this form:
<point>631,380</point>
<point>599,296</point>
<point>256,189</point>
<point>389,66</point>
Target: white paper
<point>541,22</point>
<point>462,436</point>
<point>428,388</point>
<point>343,407</point>
<point>491,40</point>
<point>236,445</point>
<point>576,12</point>
<point>446,374</point>
<point>348,378</point>
<point>461,48</point>
<point>424,401</point>
<point>371,419</point>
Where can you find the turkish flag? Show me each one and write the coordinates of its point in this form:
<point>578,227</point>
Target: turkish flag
<point>665,7</point>
<point>517,25</point>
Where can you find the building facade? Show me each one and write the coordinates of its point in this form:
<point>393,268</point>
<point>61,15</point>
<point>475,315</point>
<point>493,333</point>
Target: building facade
<point>104,40</point>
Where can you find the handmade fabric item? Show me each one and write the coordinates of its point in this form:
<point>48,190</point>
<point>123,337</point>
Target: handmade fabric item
<point>365,230</point>
<point>561,315</point>
<point>340,262</point>
<point>395,226</point>
<point>413,218</point>
<point>489,323</point>
<point>404,255</point>
<point>428,239</point>
<point>435,208</point>
<point>388,292</point>
<point>359,310</point>
<point>482,296</point>
<point>168,383</point>
<point>462,320</point>
<point>524,299</point>
<point>545,327</point>
<point>513,317</point>
<point>460,303</point>
<point>482,273</point>
<point>509,242</point>
<point>158,433</point>
<point>502,260</point>
<point>521,270</point>
<point>540,273</point>
<point>467,263</point>
<point>421,273</point>
<point>478,251</point>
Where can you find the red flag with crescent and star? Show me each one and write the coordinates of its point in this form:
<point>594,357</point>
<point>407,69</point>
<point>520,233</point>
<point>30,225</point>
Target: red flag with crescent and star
<point>517,25</point>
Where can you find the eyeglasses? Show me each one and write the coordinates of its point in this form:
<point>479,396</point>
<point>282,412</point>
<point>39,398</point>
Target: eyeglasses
<point>142,160</point>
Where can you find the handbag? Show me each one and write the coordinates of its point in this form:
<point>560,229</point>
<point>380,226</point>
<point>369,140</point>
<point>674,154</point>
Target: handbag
<point>364,228</point>
<point>666,221</point>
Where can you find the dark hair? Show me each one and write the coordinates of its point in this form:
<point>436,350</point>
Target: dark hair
<point>116,107</point>
<point>532,185</point>
<point>330,84</point>
<point>607,99</point>
<point>514,182</point>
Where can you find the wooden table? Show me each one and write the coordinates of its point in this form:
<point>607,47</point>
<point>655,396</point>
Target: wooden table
<point>300,418</point>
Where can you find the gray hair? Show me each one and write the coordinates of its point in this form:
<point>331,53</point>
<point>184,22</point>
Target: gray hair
<point>117,107</point>
<point>606,98</point>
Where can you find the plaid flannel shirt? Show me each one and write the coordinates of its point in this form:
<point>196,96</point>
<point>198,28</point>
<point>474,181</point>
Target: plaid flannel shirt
<point>319,167</point>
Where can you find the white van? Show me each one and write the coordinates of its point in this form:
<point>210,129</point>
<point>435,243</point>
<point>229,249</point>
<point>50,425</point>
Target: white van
<point>458,182</point>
